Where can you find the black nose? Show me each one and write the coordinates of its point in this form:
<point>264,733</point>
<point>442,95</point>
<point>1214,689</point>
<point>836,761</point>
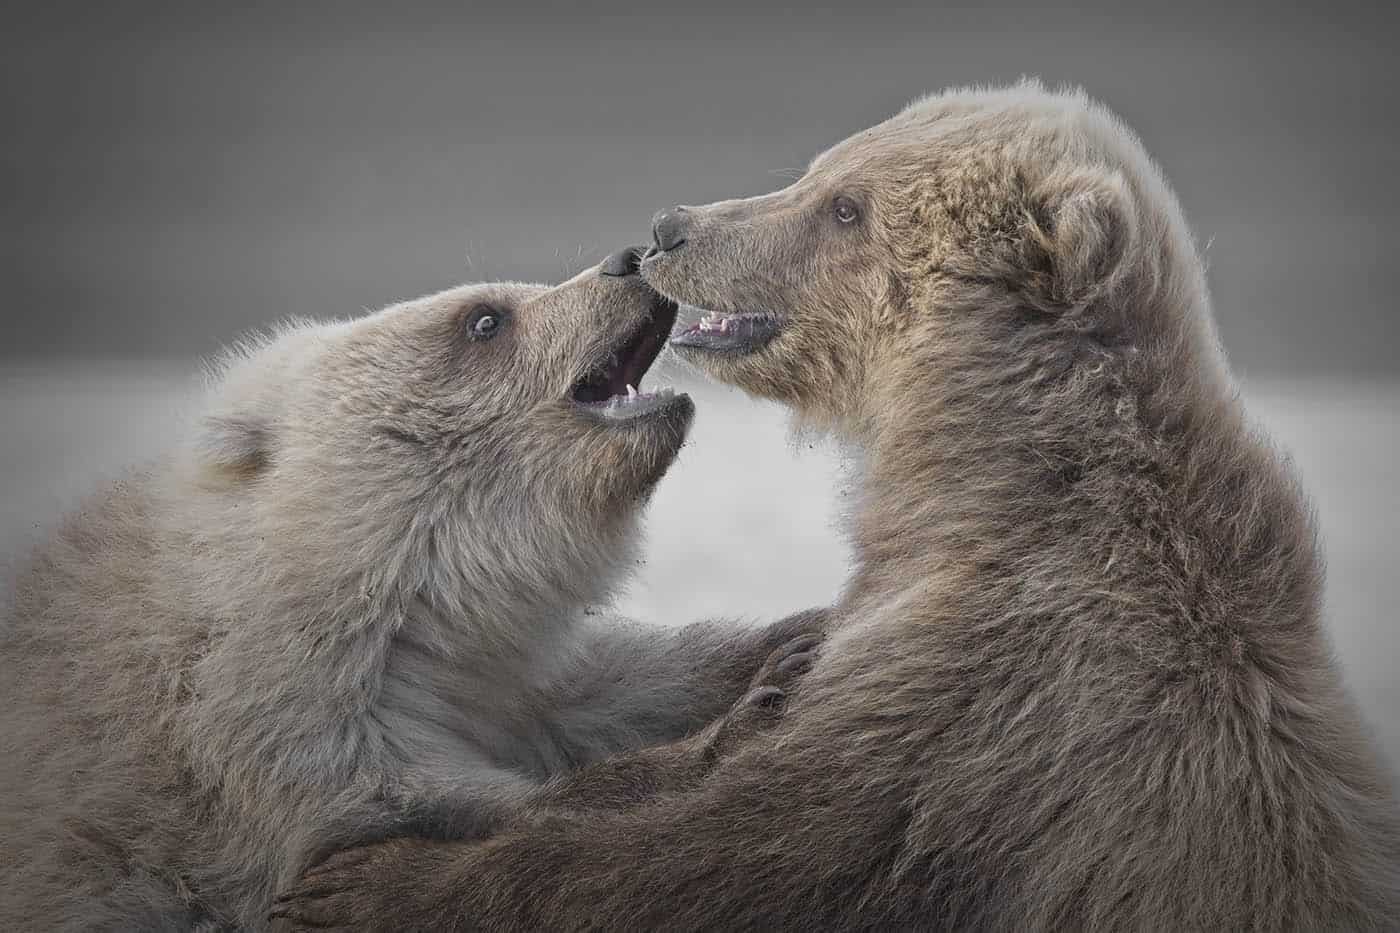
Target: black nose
<point>623,262</point>
<point>668,228</point>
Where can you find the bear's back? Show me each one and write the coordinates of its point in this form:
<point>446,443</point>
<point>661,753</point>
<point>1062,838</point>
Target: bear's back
<point>95,665</point>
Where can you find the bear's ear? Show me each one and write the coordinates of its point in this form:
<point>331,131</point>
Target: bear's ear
<point>234,446</point>
<point>1081,230</point>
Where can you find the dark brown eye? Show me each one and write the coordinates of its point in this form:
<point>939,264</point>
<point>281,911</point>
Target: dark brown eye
<point>845,210</point>
<point>485,323</point>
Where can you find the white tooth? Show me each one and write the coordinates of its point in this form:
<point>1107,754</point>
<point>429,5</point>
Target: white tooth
<point>631,391</point>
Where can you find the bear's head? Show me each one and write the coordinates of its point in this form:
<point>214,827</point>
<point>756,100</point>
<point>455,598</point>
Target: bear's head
<point>1018,233</point>
<point>481,450</point>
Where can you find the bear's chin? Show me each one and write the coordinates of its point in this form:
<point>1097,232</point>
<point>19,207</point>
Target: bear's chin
<point>615,454</point>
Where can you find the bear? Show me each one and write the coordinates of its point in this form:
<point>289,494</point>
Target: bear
<point>1079,678</point>
<point>356,599</point>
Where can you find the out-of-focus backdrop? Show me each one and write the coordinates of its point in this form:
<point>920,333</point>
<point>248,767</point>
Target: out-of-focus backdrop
<point>173,175</point>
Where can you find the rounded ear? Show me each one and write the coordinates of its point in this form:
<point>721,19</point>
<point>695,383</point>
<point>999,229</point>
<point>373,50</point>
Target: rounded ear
<point>1081,229</point>
<point>237,446</point>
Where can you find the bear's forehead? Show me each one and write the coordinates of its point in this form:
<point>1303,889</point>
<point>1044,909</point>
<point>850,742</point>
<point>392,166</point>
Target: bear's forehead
<point>508,293</point>
<point>868,151</point>
<point>911,138</point>
<point>969,128</point>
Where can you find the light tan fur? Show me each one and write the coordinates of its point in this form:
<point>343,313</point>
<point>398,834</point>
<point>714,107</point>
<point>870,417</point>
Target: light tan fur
<point>1081,678</point>
<point>354,602</point>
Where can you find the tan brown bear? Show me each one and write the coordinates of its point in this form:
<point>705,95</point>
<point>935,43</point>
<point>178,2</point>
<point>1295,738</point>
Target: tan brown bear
<point>1080,679</point>
<point>354,603</point>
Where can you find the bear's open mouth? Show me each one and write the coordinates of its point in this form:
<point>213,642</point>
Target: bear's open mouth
<point>612,388</point>
<point>729,334</point>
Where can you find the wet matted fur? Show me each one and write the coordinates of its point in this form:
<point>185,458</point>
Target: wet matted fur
<point>1080,680</point>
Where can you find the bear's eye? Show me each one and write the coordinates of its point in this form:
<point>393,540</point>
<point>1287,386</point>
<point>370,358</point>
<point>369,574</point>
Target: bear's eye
<point>485,323</point>
<point>845,210</point>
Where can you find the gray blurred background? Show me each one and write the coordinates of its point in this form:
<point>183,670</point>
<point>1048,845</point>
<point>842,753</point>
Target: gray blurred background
<point>174,175</point>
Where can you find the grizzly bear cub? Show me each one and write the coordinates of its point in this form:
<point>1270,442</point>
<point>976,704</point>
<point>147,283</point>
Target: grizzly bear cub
<point>354,603</point>
<point>1080,679</point>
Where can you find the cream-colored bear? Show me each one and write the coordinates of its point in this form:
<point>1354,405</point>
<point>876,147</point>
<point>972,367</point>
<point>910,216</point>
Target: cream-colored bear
<point>352,605</point>
<point>1080,677</point>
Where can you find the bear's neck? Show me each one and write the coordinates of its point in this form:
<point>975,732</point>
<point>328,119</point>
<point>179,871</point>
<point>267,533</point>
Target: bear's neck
<point>1034,494</point>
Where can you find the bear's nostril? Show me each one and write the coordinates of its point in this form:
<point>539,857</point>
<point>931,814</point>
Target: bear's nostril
<point>623,262</point>
<point>668,228</point>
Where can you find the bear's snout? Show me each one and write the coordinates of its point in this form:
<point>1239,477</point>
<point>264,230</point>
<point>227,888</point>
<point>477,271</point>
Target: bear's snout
<point>622,263</point>
<point>669,228</point>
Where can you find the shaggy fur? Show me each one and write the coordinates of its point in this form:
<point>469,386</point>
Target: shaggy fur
<point>1081,680</point>
<point>354,602</point>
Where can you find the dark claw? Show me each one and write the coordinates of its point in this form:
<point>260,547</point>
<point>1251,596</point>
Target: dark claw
<point>804,643</point>
<point>767,697</point>
<point>337,861</point>
<point>796,664</point>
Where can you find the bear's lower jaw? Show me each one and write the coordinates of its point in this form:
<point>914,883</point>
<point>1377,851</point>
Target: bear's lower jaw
<point>635,405</point>
<point>728,334</point>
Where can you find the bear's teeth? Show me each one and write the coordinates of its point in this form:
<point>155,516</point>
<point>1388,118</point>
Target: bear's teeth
<point>631,392</point>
